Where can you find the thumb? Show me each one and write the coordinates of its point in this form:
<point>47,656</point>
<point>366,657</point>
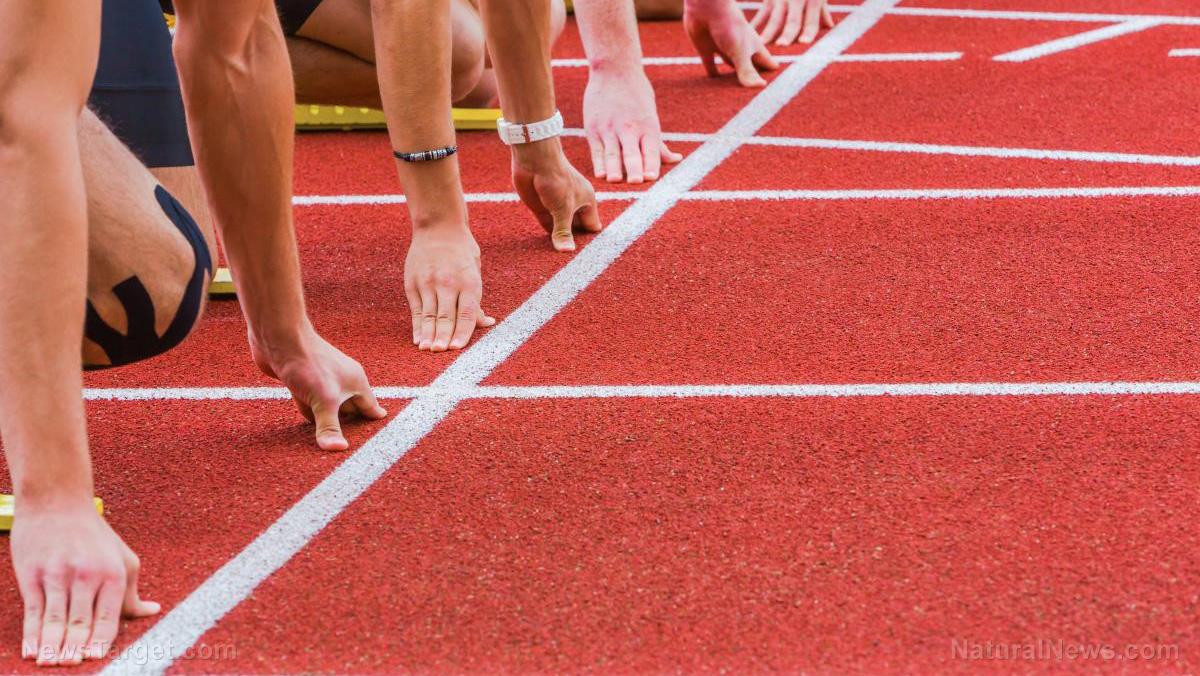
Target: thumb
<point>329,427</point>
<point>561,236</point>
<point>133,605</point>
<point>747,74</point>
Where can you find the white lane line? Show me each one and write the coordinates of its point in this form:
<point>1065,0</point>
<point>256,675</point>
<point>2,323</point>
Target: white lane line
<point>902,56</point>
<point>784,58</point>
<point>939,149</point>
<point>943,193</point>
<point>1184,52</point>
<point>845,390</point>
<point>967,151</point>
<point>1075,41</point>
<point>352,200</point>
<point>1081,17</point>
<point>191,618</point>
<point>223,393</point>
<point>823,194</point>
<point>795,390</point>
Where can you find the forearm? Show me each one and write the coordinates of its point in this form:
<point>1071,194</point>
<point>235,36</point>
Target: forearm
<point>43,243</point>
<point>43,249</point>
<point>237,87</point>
<point>416,100</point>
<point>518,37</point>
<point>609,32</point>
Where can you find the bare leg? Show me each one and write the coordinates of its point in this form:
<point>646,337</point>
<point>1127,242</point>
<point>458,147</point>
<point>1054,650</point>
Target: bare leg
<point>129,234</point>
<point>651,10</point>
<point>184,183</point>
<point>333,55</point>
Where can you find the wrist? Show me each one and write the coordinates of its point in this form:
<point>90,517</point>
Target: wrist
<point>539,154</point>
<point>279,341</point>
<point>446,217</point>
<point>60,497</point>
<point>619,65</point>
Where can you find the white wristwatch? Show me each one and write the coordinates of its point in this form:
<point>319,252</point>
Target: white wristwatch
<point>514,134</point>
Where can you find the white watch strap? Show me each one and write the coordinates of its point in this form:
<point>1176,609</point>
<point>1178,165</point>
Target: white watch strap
<point>513,134</point>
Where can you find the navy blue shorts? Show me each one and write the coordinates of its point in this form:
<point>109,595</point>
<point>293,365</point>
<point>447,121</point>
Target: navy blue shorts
<point>136,90</point>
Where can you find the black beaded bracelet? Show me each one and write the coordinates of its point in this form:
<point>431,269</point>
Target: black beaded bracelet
<point>427,155</point>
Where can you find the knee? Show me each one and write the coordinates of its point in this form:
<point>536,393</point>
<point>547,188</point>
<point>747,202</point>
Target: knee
<point>558,19</point>
<point>465,72</point>
<point>467,60</point>
<point>107,347</point>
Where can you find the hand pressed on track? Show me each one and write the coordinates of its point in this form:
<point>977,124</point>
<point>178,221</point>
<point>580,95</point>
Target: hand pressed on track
<point>557,194</point>
<point>325,384</point>
<point>718,28</point>
<point>785,22</point>
<point>444,287</point>
<point>621,121</point>
<point>77,579</point>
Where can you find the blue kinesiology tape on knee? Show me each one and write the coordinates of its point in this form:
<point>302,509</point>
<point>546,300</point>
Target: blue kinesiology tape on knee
<point>141,341</point>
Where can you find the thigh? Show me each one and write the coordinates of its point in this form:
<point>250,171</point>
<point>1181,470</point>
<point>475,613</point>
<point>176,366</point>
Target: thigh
<point>148,262</point>
<point>345,24</point>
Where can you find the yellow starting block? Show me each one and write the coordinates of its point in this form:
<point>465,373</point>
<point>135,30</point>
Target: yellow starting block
<point>6,511</point>
<point>222,284</point>
<point>348,118</point>
<point>475,118</point>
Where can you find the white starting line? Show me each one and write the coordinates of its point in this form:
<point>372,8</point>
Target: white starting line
<point>800,390</point>
<point>784,194</point>
<point>1184,52</point>
<point>782,58</point>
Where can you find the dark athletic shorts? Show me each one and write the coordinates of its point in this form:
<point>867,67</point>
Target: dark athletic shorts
<point>136,90</point>
<point>292,13</point>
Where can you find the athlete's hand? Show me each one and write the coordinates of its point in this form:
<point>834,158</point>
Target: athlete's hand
<point>621,121</point>
<point>718,27</point>
<point>558,195</point>
<point>77,578</point>
<point>444,288</point>
<point>787,21</point>
<point>325,384</point>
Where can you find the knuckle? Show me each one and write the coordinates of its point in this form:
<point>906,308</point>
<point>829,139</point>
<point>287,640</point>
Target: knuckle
<point>54,617</point>
<point>445,279</point>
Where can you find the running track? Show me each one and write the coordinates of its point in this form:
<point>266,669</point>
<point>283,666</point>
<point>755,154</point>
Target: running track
<point>905,352</point>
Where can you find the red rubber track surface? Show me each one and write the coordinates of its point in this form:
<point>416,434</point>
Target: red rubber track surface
<point>749,536</point>
<point>188,485</point>
<point>843,537</point>
<point>888,291</point>
<point>1119,95</point>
